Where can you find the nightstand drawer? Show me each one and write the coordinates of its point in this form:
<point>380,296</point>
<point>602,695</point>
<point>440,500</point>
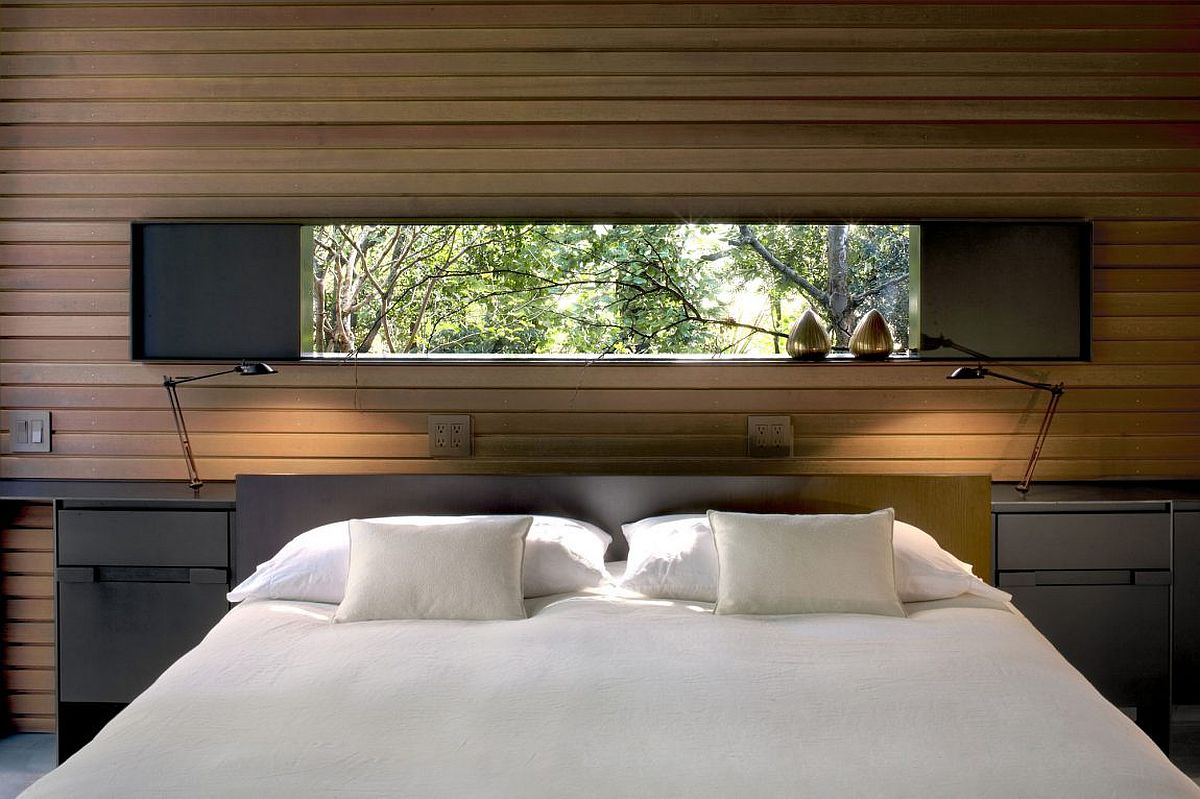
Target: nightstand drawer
<point>143,538</point>
<point>116,637</point>
<point>1083,541</point>
<point>1118,636</point>
<point>136,587</point>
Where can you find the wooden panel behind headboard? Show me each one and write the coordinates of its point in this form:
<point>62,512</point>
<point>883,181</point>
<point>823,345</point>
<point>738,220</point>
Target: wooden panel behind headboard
<point>272,509</point>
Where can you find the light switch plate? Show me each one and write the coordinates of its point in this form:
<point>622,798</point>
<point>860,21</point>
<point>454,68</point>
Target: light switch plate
<point>29,431</point>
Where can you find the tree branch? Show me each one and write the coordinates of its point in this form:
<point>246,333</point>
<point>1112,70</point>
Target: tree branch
<point>748,238</point>
<point>857,299</point>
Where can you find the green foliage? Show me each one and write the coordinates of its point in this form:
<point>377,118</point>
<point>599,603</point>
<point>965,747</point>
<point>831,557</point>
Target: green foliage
<point>880,252</point>
<point>574,288</point>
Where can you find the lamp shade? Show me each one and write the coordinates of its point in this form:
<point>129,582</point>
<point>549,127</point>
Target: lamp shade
<point>257,368</point>
<point>967,373</point>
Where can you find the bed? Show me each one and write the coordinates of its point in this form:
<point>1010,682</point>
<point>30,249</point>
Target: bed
<point>603,693</point>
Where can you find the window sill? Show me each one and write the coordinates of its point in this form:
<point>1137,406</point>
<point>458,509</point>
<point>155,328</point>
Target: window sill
<point>624,360</point>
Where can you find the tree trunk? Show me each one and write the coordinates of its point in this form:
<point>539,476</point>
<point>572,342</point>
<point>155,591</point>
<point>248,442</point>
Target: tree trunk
<point>776,320</point>
<point>319,313</point>
<point>839,284</point>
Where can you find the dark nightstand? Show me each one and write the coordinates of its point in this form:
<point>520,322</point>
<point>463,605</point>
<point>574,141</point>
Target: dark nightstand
<point>138,584</point>
<point>1185,605</point>
<point>1095,579</point>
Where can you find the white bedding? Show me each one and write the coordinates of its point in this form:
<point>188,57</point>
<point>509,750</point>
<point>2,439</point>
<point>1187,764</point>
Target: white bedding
<point>600,696</point>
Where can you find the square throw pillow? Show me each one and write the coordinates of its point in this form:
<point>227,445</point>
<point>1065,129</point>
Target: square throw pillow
<point>772,564</point>
<point>469,569</point>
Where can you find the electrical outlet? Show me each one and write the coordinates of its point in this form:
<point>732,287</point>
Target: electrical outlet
<point>450,436</point>
<point>769,436</point>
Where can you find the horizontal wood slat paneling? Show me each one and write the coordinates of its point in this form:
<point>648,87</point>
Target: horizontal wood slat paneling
<point>613,183</point>
<point>31,704</point>
<point>309,422</point>
<point>227,469</point>
<point>348,161</point>
<point>317,109</point>
<point>282,14</point>
<point>654,111</point>
<point>26,579</point>
<point>598,62</point>
<point>29,633</point>
<point>615,133</point>
<point>556,400</point>
<point>29,609</point>
<point>50,302</point>
<point>279,87</point>
<point>636,205</point>
<point>733,445</point>
<point>32,680</point>
<point>625,38</point>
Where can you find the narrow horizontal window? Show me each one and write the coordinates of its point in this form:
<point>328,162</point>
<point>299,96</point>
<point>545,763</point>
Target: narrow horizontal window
<point>288,290</point>
<point>587,289</point>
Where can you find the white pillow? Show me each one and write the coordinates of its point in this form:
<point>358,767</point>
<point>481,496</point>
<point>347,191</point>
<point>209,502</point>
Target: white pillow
<point>561,555</point>
<point>925,571</point>
<point>774,563</point>
<point>671,557</point>
<point>674,557</point>
<point>465,569</point>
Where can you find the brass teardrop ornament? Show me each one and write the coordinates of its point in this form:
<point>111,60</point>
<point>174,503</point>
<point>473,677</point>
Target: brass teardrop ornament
<point>872,340</point>
<point>808,340</point>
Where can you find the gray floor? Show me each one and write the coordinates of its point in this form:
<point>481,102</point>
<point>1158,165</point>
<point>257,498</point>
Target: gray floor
<point>25,757</point>
<point>1185,740</point>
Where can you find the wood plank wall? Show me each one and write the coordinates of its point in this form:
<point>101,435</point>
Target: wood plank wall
<point>27,582</point>
<point>113,111</point>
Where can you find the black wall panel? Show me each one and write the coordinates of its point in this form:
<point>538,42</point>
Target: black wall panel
<point>1011,289</point>
<point>217,291</point>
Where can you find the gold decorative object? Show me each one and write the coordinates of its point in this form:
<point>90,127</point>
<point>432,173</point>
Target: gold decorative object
<point>808,340</point>
<point>872,340</point>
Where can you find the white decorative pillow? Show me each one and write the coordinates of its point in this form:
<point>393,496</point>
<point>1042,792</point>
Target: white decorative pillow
<point>467,569</point>
<point>774,564</point>
<point>674,557</point>
<point>561,555</point>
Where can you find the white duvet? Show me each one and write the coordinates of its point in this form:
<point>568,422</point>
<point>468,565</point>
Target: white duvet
<point>599,696</point>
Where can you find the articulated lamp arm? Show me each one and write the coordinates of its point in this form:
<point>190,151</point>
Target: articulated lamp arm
<point>245,368</point>
<point>1056,391</point>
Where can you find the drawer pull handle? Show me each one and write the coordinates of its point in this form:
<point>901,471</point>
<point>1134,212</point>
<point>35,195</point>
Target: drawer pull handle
<point>139,574</point>
<point>1017,579</point>
<point>75,574</point>
<point>207,576</point>
<point>1085,577</point>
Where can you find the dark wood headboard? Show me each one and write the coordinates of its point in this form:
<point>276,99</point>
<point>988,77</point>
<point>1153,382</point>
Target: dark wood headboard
<point>273,509</point>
